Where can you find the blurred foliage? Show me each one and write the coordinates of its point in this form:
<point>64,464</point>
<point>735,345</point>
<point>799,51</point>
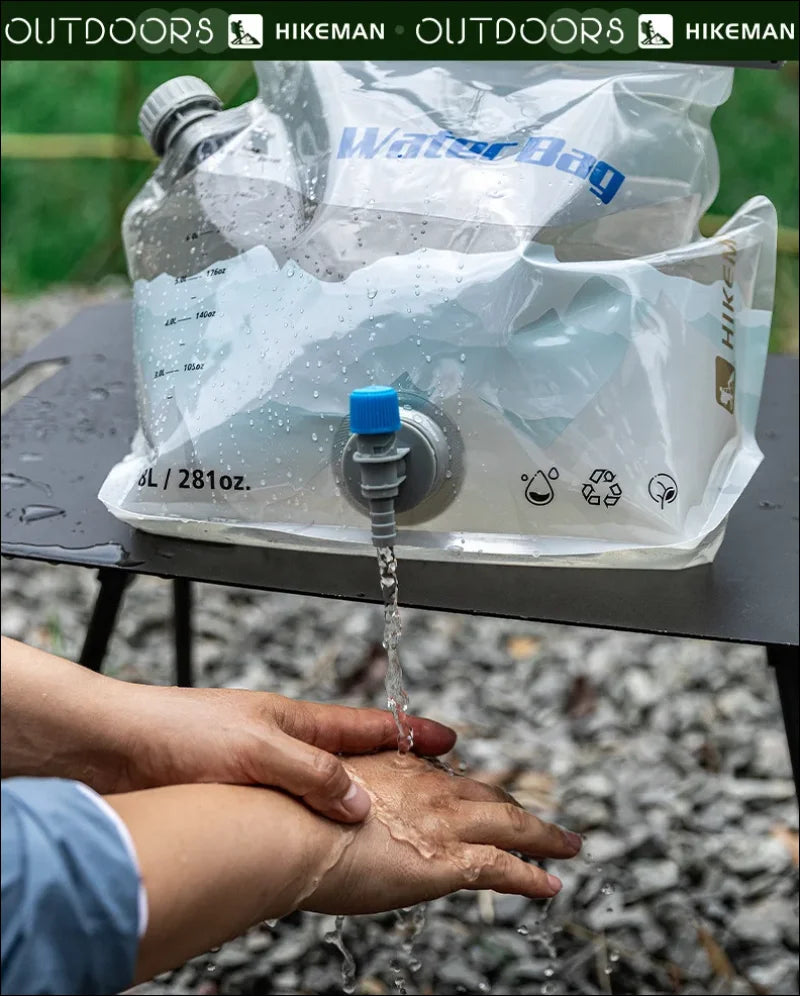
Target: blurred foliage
<point>61,216</point>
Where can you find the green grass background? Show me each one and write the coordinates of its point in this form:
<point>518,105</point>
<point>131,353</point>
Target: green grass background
<point>61,217</point>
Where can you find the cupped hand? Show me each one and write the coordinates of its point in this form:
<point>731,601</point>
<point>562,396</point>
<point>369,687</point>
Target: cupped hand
<point>184,735</point>
<point>430,833</point>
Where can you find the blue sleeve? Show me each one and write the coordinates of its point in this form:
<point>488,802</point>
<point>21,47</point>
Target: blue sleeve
<point>70,889</point>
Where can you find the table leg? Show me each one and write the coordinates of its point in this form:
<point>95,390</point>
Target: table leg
<point>182,595</point>
<point>787,674</point>
<point>113,583</point>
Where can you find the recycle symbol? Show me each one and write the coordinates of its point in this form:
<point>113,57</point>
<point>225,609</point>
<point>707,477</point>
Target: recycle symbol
<point>602,488</point>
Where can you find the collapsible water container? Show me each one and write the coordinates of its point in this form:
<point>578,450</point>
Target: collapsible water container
<point>512,248</point>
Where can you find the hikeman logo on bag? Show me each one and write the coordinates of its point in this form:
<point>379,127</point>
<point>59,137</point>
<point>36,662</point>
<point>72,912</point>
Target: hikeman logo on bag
<point>655,31</point>
<point>726,384</point>
<point>725,370</point>
<point>245,31</point>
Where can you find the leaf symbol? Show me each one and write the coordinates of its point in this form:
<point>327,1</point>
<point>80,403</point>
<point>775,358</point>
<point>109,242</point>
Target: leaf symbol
<point>669,495</point>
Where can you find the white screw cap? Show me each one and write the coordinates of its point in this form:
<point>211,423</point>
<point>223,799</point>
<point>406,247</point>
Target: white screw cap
<point>165,101</point>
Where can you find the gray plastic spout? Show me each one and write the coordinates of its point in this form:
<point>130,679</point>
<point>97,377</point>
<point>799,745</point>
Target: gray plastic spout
<point>383,470</point>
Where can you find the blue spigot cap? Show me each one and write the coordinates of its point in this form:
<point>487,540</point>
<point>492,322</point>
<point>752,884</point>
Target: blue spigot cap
<point>374,410</point>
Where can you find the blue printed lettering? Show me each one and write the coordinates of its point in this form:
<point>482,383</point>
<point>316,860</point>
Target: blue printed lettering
<point>576,162</point>
<point>465,148</point>
<point>605,181</point>
<point>436,143</point>
<point>496,148</point>
<point>408,147</point>
<point>542,150</point>
<point>367,148</point>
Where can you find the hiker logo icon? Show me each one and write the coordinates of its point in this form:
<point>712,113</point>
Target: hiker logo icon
<point>602,488</point>
<point>726,384</point>
<point>245,31</point>
<point>655,31</point>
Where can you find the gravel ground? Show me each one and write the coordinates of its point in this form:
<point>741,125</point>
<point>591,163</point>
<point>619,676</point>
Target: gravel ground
<point>668,754</point>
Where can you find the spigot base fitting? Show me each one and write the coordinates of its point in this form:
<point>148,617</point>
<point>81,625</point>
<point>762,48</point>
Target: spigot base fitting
<point>428,464</point>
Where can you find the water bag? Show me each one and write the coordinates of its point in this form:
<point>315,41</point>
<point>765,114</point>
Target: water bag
<point>513,247</point>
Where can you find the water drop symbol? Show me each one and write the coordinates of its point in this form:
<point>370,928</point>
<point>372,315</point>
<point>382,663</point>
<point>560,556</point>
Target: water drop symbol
<point>539,490</point>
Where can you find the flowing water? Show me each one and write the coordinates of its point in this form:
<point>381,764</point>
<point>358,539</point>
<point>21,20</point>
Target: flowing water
<point>542,937</point>
<point>336,938</point>
<point>396,695</point>
<point>411,923</point>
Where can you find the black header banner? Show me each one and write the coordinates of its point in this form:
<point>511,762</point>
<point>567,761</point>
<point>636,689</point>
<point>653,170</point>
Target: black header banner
<point>763,33</point>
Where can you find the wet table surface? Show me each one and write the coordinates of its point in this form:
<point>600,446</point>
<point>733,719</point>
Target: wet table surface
<point>59,441</point>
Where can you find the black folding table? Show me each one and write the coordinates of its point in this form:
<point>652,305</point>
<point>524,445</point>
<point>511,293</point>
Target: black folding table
<point>60,440</point>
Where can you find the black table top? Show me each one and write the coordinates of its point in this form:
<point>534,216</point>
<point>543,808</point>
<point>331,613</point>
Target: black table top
<point>60,440</point>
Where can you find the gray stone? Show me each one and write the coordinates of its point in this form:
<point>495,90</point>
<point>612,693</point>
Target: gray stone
<point>749,856</point>
<point>771,754</point>
<point>739,703</point>
<point>598,784</point>
<point>456,972</point>
<point>605,847</point>
<point>290,948</point>
<point>760,789</point>
<point>776,976</point>
<point>765,922</point>
<point>511,909</point>
<point>15,621</point>
<point>652,877</point>
<point>640,688</point>
<point>232,955</point>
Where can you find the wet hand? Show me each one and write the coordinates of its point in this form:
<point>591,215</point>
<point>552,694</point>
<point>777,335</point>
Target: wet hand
<point>430,833</point>
<point>64,721</point>
<point>183,735</point>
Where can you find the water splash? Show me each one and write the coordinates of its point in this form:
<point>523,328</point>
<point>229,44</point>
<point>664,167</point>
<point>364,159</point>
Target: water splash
<point>542,936</point>
<point>411,922</point>
<point>396,695</point>
<point>336,938</point>
<point>34,513</point>
<point>17,481</point>
<point>398,979</point>
<point>92,556</point>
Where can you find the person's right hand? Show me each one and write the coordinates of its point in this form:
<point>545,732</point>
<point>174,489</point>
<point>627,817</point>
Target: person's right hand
<point>215,859</point>
<point>430,833</point>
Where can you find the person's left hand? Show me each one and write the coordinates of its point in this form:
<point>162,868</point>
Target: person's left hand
<point>182,735</point>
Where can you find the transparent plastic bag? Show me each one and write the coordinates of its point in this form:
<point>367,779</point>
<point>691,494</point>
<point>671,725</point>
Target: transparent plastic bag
<point>514,248</point>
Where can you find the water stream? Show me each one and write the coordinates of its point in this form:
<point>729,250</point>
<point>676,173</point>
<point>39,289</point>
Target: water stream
<point>396,695</point>
<point>411,921</point>
<point>336,938</point>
